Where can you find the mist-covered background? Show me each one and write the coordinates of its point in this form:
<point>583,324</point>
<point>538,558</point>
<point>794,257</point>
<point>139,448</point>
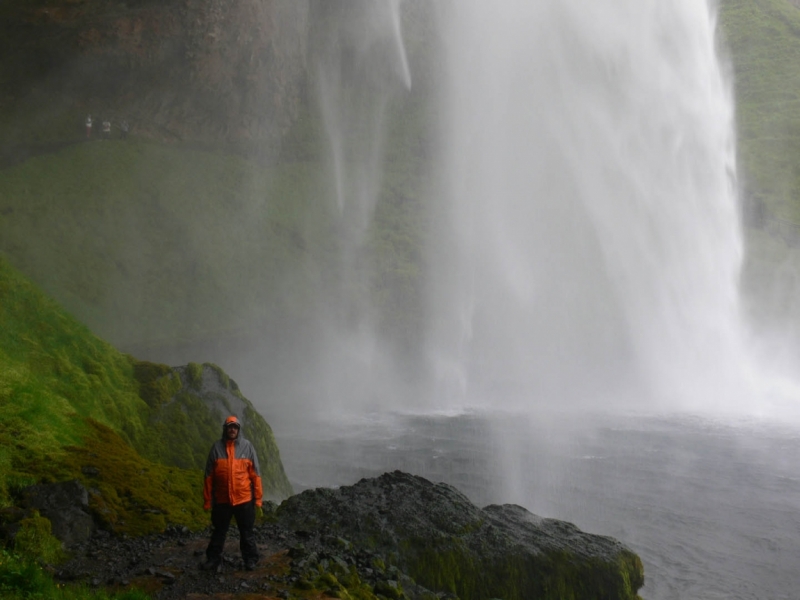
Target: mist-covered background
<point>516,248</point>
<point>312,193</point>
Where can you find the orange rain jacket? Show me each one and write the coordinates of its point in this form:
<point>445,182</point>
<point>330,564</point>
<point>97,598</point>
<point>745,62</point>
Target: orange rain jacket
<point>232,473</point>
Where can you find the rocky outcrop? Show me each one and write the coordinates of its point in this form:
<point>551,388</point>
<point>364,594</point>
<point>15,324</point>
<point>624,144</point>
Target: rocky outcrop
<point>66,505</point>
<point>188,406</point>
<point>445,543</point>
<point>368,541</point>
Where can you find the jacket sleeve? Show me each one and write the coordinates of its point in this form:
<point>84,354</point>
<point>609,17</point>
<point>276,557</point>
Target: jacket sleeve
<point>255,478</point>
<point>208,482</point>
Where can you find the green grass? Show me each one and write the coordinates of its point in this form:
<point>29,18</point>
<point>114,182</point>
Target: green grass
<point>52,367</point>
<point>24,579</point>
<point>54,374</point>
<point>182,243</point>
<point>764,41</point>
<point>69,400</point>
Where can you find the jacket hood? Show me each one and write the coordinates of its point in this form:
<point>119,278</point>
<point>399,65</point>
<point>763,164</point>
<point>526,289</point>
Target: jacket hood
<point>228,421</point>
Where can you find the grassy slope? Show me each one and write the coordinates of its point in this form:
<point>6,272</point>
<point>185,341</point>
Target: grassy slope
<point>764,41</point>
<point>149,243</point>
<point>176,241</point>
<point>69,401</point>
<point>52,367</point>
<point>764,38</point>
<point>64,392</point>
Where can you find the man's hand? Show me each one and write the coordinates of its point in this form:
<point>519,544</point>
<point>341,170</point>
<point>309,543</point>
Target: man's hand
<point>259,512</point>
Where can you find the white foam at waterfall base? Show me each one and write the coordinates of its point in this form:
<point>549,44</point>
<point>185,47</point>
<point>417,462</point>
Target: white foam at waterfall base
<point>590,244</point>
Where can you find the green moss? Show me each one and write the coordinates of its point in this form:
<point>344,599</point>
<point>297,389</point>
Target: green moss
<point>448,565</point>
<point>24,579</point>
<point>53,366</point>
<point>157,383</point>
<point>194,372</point>
<point>182,432</point>
<point>35,540</point>
<point>764,41</point>
<point>137,496</point>
<point>150,244</point>
<point>343,583</point>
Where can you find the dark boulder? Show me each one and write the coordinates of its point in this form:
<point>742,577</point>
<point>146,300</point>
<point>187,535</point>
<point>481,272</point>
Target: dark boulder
<point>446,543</point>
<point>66,505</point>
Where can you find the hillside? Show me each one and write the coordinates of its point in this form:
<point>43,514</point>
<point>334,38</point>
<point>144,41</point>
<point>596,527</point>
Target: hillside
<point>158,240</point>
<point>764,41</point>
<point>141,230</point>
<point>72,407</point>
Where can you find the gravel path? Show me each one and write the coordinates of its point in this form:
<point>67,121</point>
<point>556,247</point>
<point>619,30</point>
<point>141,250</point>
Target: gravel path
<point>168,565</point>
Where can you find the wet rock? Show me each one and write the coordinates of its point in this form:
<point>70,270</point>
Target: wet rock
<point>380,535</point>
<point>66,505</point>
<point>436,535</point>
<point>90,471</point>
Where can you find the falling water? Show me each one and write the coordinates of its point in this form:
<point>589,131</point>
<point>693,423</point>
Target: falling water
<point>360,65</point>
<point>589,244</point>
<point>361,62</point>
<point>585,250</point>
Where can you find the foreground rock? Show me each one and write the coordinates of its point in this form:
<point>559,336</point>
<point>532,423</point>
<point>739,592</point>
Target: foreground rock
<point>396,537</point>
<point>445,543</point>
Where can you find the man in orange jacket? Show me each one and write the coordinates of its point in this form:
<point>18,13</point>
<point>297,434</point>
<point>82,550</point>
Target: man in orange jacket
<point>232,488</point>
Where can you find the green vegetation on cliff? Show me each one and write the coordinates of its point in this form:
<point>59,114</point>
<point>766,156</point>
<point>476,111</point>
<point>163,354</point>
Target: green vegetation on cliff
<point>152,244</point>
<point>142,241</point>
<point>764,41</point>
<point>73,407</point>
<point>763,37</point>
<point>24,579</point>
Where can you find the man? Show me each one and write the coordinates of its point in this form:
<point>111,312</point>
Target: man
<point>232,488</point>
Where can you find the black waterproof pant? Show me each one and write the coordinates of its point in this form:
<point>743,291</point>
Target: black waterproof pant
<point>220,521</point>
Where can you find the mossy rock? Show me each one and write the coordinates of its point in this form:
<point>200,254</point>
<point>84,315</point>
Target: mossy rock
<point>183,426</point>
<point>447,544</point>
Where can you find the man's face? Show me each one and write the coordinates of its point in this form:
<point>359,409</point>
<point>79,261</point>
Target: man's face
<point>232,431</point>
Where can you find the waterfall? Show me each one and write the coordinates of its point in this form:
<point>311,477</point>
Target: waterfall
<point>588,244</point>
<point>359,63</point>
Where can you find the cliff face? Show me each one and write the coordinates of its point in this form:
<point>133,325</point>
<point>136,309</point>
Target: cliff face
<point>193,70</point>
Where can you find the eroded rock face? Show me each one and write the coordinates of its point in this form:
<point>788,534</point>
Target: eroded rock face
<point>447,543</point>
<point>66,505</point>
<point>207,71</point>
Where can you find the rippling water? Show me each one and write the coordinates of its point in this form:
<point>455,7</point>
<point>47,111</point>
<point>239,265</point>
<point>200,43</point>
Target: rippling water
<point>713,508</point>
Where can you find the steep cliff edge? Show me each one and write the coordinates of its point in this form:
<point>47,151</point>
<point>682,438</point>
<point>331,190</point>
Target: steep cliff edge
<point>194,70</point>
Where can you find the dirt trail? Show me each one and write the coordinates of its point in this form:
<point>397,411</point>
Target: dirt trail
<point>167,566</point>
